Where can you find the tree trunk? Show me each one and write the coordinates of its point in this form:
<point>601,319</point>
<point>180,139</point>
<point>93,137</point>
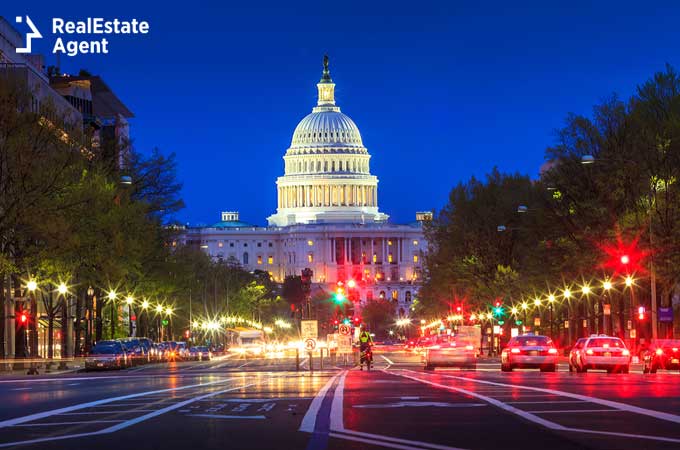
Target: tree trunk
<point>50,329</point>
<point>2,316</point>
<point>98,319</point>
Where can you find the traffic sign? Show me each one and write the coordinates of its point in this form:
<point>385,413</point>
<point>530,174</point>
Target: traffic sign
<point>344,344</point>
<point>310,344</point>
<point>309,329</point>
<point>344,329</point>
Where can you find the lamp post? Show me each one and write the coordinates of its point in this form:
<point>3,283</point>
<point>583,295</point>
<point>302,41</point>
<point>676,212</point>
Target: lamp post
<point>629,284</point>
<point>168,312</point>
<point>129,300</point>
<point>112,300</point>
<point>159,312</point>
<point>551,302</point>
<point>606,286</point>
<point>524,306</point>
<point>585,292</point>
<point>90,315</point>
<point>145,307</point>
<point>566,293</point>
<point>32,286</point>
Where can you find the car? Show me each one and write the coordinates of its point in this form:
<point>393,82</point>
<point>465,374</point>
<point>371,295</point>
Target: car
<point>578,346</point>
<point>449,351</point>
<point>529,351</point>
<point>602,352</point>
<point>662,354</point>
<point>137,352</point>
<point>410,345</point>
<point>107,355</point>
<point>200,353</point>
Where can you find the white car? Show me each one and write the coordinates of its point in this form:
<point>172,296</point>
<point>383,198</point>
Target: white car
<point>604,353</point>
<point>448,351</point>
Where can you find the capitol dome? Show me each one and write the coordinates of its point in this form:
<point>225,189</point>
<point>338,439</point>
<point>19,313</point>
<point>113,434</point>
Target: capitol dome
<point>326,173</point>
<point>328,128</point>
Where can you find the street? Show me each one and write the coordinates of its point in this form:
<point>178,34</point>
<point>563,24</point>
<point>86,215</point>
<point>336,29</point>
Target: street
<point>265,403</point>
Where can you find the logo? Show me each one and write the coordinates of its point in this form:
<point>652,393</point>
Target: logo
<point>29,36</point>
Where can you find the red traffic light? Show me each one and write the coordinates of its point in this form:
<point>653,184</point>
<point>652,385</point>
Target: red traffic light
<point>498,303</point>
<point>641,312</point>
<point>459,309</point>
<point>357,319</point>
<point>24,318</point>
<point>625,259</point>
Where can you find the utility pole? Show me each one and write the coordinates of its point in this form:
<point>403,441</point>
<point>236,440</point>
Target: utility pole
<point>306,280</point>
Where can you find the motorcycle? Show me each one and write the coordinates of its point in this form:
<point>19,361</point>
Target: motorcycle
<point>366,358</point>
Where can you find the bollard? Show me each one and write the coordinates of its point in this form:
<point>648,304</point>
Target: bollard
<point>311,365</point>
<point>297,359</point>
<point>321,359</point>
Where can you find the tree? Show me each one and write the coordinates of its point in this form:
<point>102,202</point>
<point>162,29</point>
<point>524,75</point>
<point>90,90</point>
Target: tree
<point>379,315</point>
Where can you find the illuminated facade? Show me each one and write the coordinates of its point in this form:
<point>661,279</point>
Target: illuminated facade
<point>327,217</point>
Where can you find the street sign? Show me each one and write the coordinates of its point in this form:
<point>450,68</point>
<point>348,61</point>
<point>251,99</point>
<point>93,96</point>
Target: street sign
<point>665,314</point>
<point>310,344</point>
<point>344,329</point>
<point>344,344</point>
<point>309,329</point>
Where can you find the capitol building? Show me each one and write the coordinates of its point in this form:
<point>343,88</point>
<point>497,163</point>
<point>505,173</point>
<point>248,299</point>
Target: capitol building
<point>327,216</point>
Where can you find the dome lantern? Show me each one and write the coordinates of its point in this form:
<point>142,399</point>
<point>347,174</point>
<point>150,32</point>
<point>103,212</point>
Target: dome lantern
<point>326,87</point>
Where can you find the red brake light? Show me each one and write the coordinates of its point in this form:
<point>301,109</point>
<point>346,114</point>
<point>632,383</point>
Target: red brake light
<point>659,351</point>
<point>625,352</point>
<point>514,350</point>
<point>589,352</point>
<point>675,349</point>
<point>552,351</point>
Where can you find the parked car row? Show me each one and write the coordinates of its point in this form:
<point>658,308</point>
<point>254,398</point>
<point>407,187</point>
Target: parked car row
<point>529,351</point>
<point>133,351</point>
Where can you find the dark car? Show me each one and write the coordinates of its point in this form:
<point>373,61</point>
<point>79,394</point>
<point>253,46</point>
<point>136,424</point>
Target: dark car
<point>662,354</point>
<point>137,352</point>
<point>107,355</point>
<point>200,353</point>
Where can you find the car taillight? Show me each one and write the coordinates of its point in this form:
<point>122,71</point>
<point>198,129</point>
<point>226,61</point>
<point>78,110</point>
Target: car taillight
<point>552,351</point>
<point>589,352</point>
<point>625,352</point>
<point>659,351</point>
<point>675,349</point>
<point>469,347</point>
<point>436,346</point>
<point>514,350</point>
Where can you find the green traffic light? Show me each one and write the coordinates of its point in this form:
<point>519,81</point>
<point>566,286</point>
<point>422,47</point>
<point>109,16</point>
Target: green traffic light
<point>518,322</point>
<point>338,298</point>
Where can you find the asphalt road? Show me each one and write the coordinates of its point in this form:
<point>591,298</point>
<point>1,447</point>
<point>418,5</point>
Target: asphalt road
<point>266,404</point>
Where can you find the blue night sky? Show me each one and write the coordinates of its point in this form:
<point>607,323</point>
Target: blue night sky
<point>441,91</point>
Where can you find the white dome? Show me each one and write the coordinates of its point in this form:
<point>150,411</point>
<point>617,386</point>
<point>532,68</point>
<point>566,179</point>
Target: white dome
<point>328,128</point>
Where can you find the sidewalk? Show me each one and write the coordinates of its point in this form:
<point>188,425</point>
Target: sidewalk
<point>18,367</point>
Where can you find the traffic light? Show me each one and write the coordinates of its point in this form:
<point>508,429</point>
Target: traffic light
<point>187,334</point>
<point>625,260</point>
<point>357,320</point>
<point>23,318</point>
<point>459,309</point>
<point>641,313</point>
<point>339,296</point>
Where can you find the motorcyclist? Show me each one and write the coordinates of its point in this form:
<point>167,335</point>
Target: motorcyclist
<point>365,343</point>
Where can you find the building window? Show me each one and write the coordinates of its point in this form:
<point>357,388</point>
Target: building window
<point>259,244</point>
<point>389,258</point>
<point>231,244</point>
<point>415,259</point>
<point>245,258</point>
<point>245,244</point>
<point>310,242</point>
<point>389,242</point>
<point>375,258</point>
<point>270,245</point>
<point>407,296</point>
<point>382,295</point>
<point>259,259</point>
<point>270,259</point>
<point>310,257</point>
<point>415,243</point>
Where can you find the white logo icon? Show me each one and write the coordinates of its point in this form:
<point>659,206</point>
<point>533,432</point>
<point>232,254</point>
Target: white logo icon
<point>33,34</point>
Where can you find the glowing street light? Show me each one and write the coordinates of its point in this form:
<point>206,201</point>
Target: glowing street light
<point>551,298</point>
<point>159,309</point>
<point>629,281</point>
<point>145,304</point>
<point>351,284</point>
<point>32,285</point>
<point>62,289</point>
<point>168,311</point>
<point>129,300</point>
<point>585,289</point>
<point>514,310</point>
<point>525,305</point>
<point>566,293</point>
<point>607,285</point>
<point>112,295</point>
<point>537,301</point>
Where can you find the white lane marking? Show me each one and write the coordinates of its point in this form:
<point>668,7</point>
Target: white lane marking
<point>418,405</point>
<point>571,411</point>
<point>105,412</point>
<point>73,384</point>
<point>309,421</point>
<point>42,415</point>
<point>262,400</point>
<point>21,389</point>
<point>130,422</point>
<point>609,403</point>
<point>337,420</point>
<point>244,364</point>
<point>389,361</point>
<point>546,402</point>
<point>532,418</point>
<point>50,424</point>
<point>304,361</point>
<point>217,416</point>
<point>388,441</point>
<point>511,409</point>
<point>94,378</point>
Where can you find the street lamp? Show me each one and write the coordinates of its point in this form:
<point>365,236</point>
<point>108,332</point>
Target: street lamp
<point>551,302</point>
<point>32,286</point>
<point>524,306</point>
<point>112,296</point>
